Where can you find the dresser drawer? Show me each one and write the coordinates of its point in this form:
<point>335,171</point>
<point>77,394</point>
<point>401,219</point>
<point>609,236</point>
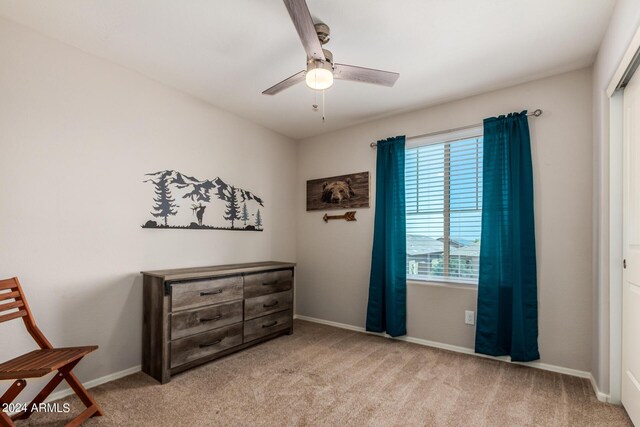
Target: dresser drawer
<point>205,344</point>
<point>267,283</point>
<point>267,304</point>
<point>190,322</point>
<point>205,292</point>
<point>262,326</point>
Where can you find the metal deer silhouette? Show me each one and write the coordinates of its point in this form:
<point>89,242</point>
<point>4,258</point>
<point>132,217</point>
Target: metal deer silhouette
<point>198,211</point>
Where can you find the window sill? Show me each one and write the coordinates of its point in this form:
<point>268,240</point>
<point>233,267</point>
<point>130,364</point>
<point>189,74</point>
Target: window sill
<point>452,285</point>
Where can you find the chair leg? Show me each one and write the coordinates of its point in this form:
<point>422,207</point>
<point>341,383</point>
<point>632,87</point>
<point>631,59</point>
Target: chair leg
<point>64,373</point>
<point>5,420</point>
<point>44,393</point>
<point>8,397</point>
<point>83,394</point>
<point>48,389</point>
<point>13,391</point>
<point>84,415</point>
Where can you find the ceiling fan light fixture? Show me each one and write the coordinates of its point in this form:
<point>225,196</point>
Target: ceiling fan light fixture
<point>319,75</point>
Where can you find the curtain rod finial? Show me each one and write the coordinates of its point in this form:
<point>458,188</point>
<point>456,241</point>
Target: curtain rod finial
<point>537,112</point>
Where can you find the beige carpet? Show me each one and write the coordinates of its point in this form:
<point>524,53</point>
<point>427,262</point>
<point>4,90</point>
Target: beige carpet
<point>323,376</point>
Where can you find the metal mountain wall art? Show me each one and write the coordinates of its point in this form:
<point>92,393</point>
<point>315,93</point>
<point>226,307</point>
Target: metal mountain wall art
<point>184,202</point>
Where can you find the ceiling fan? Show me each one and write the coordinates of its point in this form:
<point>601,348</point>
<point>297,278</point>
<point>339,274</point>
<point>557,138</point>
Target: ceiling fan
<point>321,70</point>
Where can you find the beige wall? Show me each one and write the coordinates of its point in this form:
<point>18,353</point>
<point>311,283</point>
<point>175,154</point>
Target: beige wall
<point>334,258</point>
<point>77,134</point>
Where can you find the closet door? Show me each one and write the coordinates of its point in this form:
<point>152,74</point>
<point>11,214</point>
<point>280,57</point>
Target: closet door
<point>631,252</point>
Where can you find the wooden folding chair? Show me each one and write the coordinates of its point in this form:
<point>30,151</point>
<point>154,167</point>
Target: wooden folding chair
<point>38,363</point>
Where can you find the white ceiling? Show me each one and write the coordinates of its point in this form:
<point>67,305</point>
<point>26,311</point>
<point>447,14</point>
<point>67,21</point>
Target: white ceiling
<point>228,52</point>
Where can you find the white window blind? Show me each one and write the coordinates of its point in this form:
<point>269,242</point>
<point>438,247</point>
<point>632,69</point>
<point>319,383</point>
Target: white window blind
<point>443,177</point>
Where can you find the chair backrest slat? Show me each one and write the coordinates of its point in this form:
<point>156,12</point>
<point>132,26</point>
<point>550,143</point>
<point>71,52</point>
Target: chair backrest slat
<point>9,295</point>
<point>10,290</point>
<point>14,315</point>
<point>8,284</point>
<point>11,306</point>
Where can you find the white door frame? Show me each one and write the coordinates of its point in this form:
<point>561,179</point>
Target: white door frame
<point>615,244</point>
<point>615,93</point>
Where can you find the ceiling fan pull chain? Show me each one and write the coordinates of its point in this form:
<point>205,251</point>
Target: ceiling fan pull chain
<point>315,100</point>
<point>322,105</point>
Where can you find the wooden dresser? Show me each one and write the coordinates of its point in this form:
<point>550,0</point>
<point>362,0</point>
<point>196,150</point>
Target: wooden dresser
<point>195,315</point>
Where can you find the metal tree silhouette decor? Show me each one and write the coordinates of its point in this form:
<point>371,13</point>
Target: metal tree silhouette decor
<point>208,205</point>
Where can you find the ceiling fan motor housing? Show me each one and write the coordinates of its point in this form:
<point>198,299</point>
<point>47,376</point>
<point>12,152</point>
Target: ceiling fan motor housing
<point>323,31</point>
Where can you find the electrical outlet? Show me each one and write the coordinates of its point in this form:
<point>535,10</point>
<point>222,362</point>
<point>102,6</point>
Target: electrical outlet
<point>469,317</point>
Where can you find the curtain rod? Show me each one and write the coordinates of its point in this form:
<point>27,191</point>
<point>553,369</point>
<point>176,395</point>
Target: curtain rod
<point>536,113</point>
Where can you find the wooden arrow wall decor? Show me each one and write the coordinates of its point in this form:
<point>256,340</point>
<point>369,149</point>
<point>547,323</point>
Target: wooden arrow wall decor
<point>348,216</point>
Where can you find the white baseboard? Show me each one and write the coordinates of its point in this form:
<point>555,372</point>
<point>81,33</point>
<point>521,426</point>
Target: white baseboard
<point>602,397</point>
<point>94,383</point>
<point>329,323</point>
<point>465,350</point>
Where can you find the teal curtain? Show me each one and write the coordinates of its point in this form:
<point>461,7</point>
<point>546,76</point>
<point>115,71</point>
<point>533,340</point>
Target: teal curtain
<point>387,308</point>
<point>507,322</point>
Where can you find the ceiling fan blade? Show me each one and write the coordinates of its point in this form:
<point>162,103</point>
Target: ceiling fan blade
<point>364,75</point>
<point>301,18</point>
<point>286,83</point>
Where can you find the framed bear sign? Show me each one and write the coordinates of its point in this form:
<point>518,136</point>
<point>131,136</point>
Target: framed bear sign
<point>338,192</point>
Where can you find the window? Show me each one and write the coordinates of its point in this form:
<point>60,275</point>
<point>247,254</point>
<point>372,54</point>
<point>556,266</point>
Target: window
<point>443,177</point>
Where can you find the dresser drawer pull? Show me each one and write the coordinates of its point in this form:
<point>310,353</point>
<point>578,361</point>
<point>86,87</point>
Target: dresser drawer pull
<point>275,282</point>
<point>211,319</point>
<point>204,294</point>
<point>211,343</point>
<point>273,304</point>
<point>269,325</point>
